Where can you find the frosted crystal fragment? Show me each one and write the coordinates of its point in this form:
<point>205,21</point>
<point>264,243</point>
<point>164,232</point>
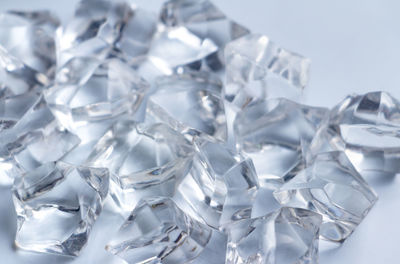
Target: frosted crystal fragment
<point>286,236</point>
<point>57,205</point>
<point>157,231</point>
<point>332,187</point>
<point>366,127</point>
<point>275,134</point>
<point>190,103</point>
<point>221,185</point>
<point>257,68</point>
<point>152,158</point>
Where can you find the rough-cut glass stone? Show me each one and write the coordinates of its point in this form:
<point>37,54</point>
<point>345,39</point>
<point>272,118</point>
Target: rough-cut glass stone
<point>286,236</point>
<point>366,127</point>
<point>275,133</point>
<point>26,65</point>
<point>157,231</point>
<point>332,187</point>
<point>150,158</point>
<point>257,68</point>
<point>34,139</point>
<point>221,185</point>
<point>57,204</point>
<point>190,103</point>
<point>87,91</point>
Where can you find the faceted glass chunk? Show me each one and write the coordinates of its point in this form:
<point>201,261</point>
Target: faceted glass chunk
<point>286,236</point>
<point>26,65</point>
<point>190,103</point>
<point>221,185</point>
<point>332,187</point>
<point>366,127</point>
<point>275,133</point>
<point>258,68</point>
<point>57,205</point>
<point>157,231</point>
<point>152,158</point>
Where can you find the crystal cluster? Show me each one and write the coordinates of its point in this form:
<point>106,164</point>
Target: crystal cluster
<point>178,124</point>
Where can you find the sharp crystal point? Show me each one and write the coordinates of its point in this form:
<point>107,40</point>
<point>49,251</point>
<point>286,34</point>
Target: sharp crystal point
<point>288,235</point>
<point>57,205</point>
<point>332,187</point>
<point>275,134</point>
<point>258,68</point>
<point>157,231</point>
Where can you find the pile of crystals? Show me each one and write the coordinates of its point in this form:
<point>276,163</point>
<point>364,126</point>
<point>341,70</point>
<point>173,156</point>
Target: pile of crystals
<point>178,123</point>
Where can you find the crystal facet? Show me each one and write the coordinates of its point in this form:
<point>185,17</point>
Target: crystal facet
<point>221,185</point>
<point>332,187</point>
<point>366,127</point>
<point>286,236</point>
<point>152,158</point>
<point>57,204</point>
<point>275,133</point>
<point>190,103</point>
<point>258,68</point>
<point>157,231</point>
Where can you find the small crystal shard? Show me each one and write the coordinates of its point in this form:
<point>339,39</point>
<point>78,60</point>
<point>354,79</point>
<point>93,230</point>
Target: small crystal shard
<point>157,231</point>
<point>221,185</point>
<point>257,68</point>
<point>151,157</point>
<point>57,205</point>
<point>275,133</point>
<point>366,127</point>
<point>332,187</point>
<point>190,103</point>
<point>288,235</point>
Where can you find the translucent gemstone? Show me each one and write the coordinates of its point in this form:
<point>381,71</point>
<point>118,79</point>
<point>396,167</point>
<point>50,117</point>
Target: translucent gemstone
<point>332,187</point>
<point>88,92</point>
<point>34,138</point>
<point>366,127</point>
<point>258,68</point>
<point>275,134</point>
<point>143,160</point>
<point>57,205</point>
<point>221,185</point>
<point>26,65</point>
<point>288,235</point>
<point>157,231</point>
<point>190,103</point>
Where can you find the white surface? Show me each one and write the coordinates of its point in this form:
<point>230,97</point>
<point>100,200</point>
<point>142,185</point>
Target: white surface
<point>354,47</point>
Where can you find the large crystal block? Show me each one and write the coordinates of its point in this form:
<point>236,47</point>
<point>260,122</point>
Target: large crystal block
<point>258,68</point>
<point>157,231</point>
<point>151,158</point>
<point>190,103</point>
<point>32,140</point>
<point>28,64</point>
<point>57,205</point>
<point>221,186</point>
<point>286,236</point>
<point>332,187</point>
<point>275,134</point>
<point>366,127</point>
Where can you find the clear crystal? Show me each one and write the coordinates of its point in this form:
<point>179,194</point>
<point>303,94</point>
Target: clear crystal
<point>143,160</point>
<point>57,205</point>
<point>332,187</point>
<point>366,127</point>
<point>275,134</point>
<point>157,231</point>
<point>26,65</point>
<point>288,235</point>
<point>258,68</point>
<point>190,103</point>
<point>221,185</point>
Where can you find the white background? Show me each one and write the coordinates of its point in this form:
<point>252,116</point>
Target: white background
<point>354,47</point>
